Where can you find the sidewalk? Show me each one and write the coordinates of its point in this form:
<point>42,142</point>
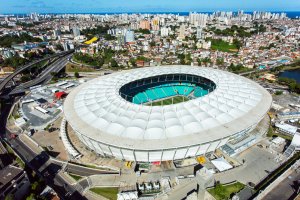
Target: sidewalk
<point>30,143</point>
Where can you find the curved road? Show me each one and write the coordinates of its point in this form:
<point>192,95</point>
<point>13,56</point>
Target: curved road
<point>21,69</point>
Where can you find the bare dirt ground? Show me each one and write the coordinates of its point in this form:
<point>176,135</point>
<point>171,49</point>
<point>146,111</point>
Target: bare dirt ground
<point>46,139</point>
<point>90,157</point>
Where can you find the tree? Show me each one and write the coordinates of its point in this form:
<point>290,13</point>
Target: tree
<point>76,74</point>
<point>152,43</point>
<point>237,43</point>
<point>31,197</point>
<point>114,63</point>
<point>133,62</point>
<point>9,197</point>
<point>25,78</point>
<point>220,61</point>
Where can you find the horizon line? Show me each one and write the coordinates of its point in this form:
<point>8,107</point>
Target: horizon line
<point>149,12</point>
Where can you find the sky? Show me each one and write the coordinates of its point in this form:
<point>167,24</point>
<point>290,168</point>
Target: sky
<point>108,6</point>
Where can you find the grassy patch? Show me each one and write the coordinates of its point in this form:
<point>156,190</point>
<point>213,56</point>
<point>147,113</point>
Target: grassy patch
<point>90,166</point>
<point>75,177</point>
<point>222,45</point>
<point>75,68</point>
<point>272,133</point>
<point>221,192</point>
<point>13,155</point>
<point>109,192</point>
<point>177,99</point>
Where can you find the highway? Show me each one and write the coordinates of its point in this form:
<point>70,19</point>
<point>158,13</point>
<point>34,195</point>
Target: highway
<point>42,164</point>
<point>45,76</point>
<point>21,69</point>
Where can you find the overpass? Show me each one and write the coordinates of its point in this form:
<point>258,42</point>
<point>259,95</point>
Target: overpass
<point>23,68</point>
<point>44,77</point>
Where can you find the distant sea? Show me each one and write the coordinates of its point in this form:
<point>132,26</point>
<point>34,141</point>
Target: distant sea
<point>290,14</point>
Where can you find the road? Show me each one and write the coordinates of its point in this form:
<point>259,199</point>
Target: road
<point>81,170</point>
<point>45,76</point>
<point>286,189</point>
<point>21,69</point>
<point>41,163</point>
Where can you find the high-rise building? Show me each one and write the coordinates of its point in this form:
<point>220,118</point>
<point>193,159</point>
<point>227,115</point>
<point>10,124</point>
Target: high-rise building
<point>198,19</point>
<point>34,17</point>
<point>76,31</point>
<point>129,36</point>
<point>145,24</point>
<point>199,33</point>
<point>164,31</point>
<point>155,24</point>
<point>181,34</point>
<point>120,38</point>
<point>56,33</point>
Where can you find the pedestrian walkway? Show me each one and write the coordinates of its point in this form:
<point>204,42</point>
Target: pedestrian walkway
<point>30,143</point>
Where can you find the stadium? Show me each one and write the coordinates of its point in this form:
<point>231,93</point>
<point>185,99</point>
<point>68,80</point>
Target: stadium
<point>164,113</point>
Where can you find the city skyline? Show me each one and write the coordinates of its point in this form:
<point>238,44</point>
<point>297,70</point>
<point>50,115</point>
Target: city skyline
<point>97,6</point>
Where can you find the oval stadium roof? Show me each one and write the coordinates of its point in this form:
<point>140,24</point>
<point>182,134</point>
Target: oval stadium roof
<point>96,109</point>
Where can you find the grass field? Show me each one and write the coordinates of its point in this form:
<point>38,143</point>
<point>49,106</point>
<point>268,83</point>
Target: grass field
<point>224,46</point>
<point>221,192</point>
<point>169,101</point>
<point>76,177</point>
<point>109,192</point>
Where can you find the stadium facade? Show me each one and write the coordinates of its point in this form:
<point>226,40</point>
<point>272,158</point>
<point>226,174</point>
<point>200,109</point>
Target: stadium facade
<point>164,113</point>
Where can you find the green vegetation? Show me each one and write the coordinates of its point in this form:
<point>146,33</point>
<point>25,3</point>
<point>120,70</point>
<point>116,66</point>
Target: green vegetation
<point>75,177</point>
<point>221,45</point>
<point>105,56</point>
<point>91,32</point>
<point>114,63</point>
<point>28,25</point>
<point>109,193</point>
<point>267,47</point>
<point>238,68</point>
<point>14,61</point>
<point>169,101</point>
<point>25,78</point>
<point>291,83</point>
<point>278,92</point>
<point>203,61</point>
<point>133,60</point>
<point>89,165</point>
<point>8,40</point>
<point>76,68</point>
<point>109,37</point>
<point>185,59</point>
<point>271,133</point>
<point>222,192</point>
<point>76,74</point>
<point>13,156</point>
<point>143,31</point>
<point>87,59</point>
<point>276,173</point>
<point>234,30</point>
<point>220,61</point>
<point>259,28</point>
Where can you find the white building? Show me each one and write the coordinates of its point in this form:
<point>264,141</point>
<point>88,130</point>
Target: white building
<point>129,36</point>
<point>164,31</point>
<point>113,124</point>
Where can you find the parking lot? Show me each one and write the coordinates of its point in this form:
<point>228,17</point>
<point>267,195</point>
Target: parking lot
<point>43,105</point>
<point>258,163</point>
<point>51,141</point>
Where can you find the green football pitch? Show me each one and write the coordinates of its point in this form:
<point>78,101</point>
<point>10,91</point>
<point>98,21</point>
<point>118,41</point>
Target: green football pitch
<point>168,101</point>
